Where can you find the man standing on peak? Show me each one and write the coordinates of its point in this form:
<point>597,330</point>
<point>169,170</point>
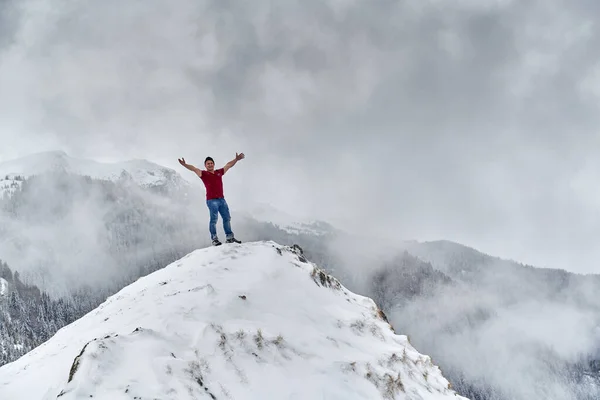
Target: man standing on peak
<point>215,200</point>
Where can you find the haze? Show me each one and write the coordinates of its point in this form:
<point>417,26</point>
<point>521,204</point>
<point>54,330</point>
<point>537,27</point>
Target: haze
<point>470,121</point>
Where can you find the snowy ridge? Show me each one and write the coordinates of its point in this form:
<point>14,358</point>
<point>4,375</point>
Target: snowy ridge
<point>142,172</point>
<point>250,321</point>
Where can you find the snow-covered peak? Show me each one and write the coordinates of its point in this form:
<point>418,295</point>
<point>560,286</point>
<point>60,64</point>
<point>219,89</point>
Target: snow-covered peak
<point>250,321</point>
<point>141,172</point>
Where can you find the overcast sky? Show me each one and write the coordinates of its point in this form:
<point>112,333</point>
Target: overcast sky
<point>473,121</point>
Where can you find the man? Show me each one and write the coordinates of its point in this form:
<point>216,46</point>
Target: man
<point>215,200</point>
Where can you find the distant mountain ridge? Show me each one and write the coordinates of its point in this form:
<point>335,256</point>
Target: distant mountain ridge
<point>141,172</point>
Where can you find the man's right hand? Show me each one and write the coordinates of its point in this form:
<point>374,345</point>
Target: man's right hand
<point>197,171</point>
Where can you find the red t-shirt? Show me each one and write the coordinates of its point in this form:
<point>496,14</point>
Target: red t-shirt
<point>213,183</point>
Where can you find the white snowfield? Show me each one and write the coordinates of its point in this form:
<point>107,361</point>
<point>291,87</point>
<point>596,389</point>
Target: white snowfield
<point>142,172</point>
<point>249,321</point>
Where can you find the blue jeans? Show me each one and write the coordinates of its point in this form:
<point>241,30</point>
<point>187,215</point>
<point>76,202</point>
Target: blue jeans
<point>216,207</point>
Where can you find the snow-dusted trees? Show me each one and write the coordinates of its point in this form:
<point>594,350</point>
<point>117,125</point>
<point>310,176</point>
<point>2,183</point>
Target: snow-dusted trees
<point>28,316</point>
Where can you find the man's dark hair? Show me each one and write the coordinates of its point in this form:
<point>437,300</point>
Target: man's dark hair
<point>208,159</point>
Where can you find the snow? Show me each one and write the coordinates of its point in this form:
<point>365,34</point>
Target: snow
<point>250,321</point>
<point>3,287</point>
<point>142,172</point>
<point>9,183</point>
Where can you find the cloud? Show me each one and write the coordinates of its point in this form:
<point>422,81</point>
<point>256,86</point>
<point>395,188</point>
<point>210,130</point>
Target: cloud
<point>471,121</point>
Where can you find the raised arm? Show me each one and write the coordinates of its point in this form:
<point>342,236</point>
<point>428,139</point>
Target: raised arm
<point>231,163</point>
<point>198,171</point>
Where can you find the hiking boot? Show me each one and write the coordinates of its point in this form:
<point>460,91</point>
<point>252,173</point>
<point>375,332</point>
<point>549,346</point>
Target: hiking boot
<point>233,240</point>
<point>216,242</point>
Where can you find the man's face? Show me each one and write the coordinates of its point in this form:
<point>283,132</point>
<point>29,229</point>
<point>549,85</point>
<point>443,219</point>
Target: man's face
<point>209,165</point>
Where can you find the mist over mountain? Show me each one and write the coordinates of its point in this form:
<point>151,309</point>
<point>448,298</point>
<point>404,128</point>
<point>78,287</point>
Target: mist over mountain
<point>74,231</point>
<point>65,231</point>
<point>472,125</point>
<point>531,332</point>
<point>499,329</point>
<point>68,223</point>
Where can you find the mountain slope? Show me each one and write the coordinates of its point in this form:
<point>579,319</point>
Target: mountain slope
<point>254,321</point>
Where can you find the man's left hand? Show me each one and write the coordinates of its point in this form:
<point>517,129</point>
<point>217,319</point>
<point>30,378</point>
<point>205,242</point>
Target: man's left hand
<point>239,156</point>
